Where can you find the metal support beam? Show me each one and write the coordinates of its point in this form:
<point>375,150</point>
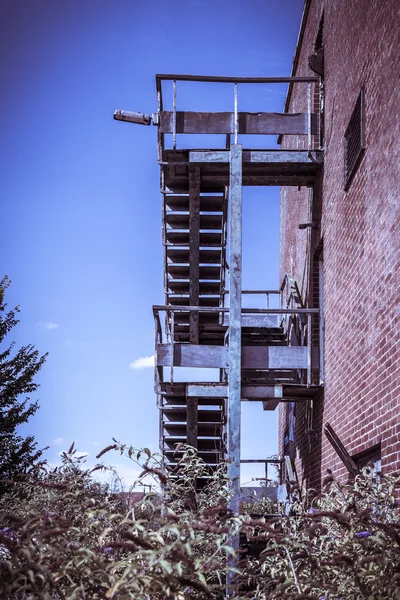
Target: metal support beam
<point>191,421</point>
<point>235,309</point>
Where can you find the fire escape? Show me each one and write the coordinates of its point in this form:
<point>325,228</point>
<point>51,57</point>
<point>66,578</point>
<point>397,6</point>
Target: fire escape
<point>259,354</point>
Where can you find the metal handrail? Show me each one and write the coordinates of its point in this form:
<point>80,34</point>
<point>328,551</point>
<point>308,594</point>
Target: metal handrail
<point>220,79</point>
<point>224,309</point>
<point>230,80</point>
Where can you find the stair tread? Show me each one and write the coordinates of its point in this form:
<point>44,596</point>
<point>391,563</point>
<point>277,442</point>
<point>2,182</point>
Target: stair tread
<point>207,203</point>
<point>209,430</point>
<point>181,221</point>
<point>203,416</point>
<point>208,456</point>
<point>202,401</point>
<point>202,444</point>
<point>181,238</point>
<point>210,301</point>
<point>182,272</point>
<point>205,287</point>
<point>181,255</point>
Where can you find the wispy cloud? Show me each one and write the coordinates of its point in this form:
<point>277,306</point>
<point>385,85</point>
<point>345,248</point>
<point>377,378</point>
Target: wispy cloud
<point>48,324</point>
<point>58,441</point>
<point>142,363</point>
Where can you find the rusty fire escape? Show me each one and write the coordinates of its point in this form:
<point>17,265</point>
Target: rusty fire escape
<point>261,354</point>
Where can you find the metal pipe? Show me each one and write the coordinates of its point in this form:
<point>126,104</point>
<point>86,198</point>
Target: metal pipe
<point>174,116</point>
<point>172,341</point>
<point>236,129</point>
<point>216,309</point>
<point>217,79</point>
<point>235,346</point>
<point>309,137</point>
<point>262,460</point>
<point>309,350</point>
<point>260,292</point>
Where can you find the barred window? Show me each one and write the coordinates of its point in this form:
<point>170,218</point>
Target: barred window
<point>354,141</point>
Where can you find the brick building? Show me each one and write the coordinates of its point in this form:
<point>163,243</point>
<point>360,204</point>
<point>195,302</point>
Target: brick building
<point>346,257</point>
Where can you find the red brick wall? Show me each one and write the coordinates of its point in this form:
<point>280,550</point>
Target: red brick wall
<point>360,230</point>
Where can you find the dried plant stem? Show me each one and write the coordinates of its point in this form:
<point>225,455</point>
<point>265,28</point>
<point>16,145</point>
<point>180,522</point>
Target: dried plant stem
<point>296,583</point>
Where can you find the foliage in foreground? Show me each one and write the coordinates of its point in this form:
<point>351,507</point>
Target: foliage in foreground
<point>65,536</point>
<point>17,372</point>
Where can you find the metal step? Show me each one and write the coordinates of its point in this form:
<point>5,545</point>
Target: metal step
<point>211,390</point>
<point>209,430</point>
<point>181,255</point>
<point>210,301</point>
<point>207,203</point>
<point>202,401</point>
<point>209,456</point>
<point>202,444</point>
<point>269,377</point>
<point>182,318</point>
<point>181,238</point>
<point>205,287</point>
<point>205,340</point>
<point>179,221</point>
<point>178,414</point>
<point>182,272</point>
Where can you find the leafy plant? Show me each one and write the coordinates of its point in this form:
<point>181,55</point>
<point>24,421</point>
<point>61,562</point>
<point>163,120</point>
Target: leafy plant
<point>65,536</point>
<point>17,372</point>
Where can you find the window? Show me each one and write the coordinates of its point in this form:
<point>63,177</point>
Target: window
<point>354,141</point>
<point>370,458</point>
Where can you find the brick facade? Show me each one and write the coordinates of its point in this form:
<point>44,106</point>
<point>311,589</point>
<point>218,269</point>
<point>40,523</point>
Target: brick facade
<point>357,233</point>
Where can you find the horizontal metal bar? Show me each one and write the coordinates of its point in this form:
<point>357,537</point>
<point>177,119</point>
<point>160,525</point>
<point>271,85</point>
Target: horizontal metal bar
<point>219,79</point>
<point>217,357</point>
<point>252,156</point>
<point>257,292</point>
<point>274,461</point>
<point>216,309</point>
<point>261,123</point>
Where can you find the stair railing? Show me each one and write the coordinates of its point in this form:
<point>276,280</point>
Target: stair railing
<point>297,325</point>
<point>177,122</point>
<point>303,316</point>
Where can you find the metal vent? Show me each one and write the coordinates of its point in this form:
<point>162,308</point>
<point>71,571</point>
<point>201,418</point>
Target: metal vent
<point>354,141</point>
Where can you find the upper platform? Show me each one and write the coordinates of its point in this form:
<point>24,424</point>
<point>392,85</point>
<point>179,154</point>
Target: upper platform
<point>260,167</point>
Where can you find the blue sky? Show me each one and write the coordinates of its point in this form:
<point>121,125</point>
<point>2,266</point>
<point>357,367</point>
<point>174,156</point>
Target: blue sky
<point>80,202</point>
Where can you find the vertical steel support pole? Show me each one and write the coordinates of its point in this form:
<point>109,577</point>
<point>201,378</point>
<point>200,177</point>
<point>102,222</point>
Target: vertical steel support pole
<point>309,138</point>
<point>172,345</point>
<point>321,322</point>
<point>235,345</point>
<point>236,116</point>
<point>174,116</point>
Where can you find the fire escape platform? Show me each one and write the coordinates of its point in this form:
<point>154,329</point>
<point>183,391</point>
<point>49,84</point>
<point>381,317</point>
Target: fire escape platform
<point>253,357</point>
<point>213,394</point>
<point>260,167</point>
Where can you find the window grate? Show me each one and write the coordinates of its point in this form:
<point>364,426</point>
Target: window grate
<point>354,141</point>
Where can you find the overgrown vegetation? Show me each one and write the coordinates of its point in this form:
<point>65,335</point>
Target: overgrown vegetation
<point>65,536</point>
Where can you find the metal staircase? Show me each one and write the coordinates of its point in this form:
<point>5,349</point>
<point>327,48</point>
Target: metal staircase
<point>194,235</point>
<point>257,354</point>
